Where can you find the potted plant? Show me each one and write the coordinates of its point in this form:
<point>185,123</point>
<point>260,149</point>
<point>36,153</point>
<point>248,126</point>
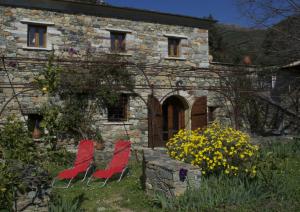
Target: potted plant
<point>36,134</point>
<point>99,142</point>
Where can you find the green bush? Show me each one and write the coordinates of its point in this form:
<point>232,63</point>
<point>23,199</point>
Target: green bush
<point>215,150</point>
<point>8,185</point>
<point>61,157</point>
<point>16,143</point>
<point>17,152</point>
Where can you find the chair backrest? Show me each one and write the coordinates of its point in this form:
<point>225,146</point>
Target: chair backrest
<point>85,153</point>
<point>121,154</point>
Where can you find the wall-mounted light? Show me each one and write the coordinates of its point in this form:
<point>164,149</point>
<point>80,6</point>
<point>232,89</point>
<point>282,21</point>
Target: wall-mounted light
<point>180,84</point>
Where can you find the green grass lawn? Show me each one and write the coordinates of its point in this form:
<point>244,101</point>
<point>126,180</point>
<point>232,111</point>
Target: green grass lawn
<point>126,195</point>
<point>279,191</point>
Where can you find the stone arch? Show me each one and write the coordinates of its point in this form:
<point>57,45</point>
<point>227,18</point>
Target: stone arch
<point>183,95</point>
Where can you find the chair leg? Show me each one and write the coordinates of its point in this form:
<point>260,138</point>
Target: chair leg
<point>122,174</point>
<point>87,183</point>
<point>69,182</point>
<point>68,185</point>
<point>103,184</point>
<point>86,174</point>
<point>52,184</point>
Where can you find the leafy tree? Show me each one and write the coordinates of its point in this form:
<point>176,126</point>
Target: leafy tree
<point>281,45</point>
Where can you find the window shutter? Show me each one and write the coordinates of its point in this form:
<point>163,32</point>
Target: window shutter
<point>154,123</point>
<point>199,113</point>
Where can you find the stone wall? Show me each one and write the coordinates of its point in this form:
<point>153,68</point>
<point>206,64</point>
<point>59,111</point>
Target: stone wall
<point>146,43</point>
<point>161,174</point>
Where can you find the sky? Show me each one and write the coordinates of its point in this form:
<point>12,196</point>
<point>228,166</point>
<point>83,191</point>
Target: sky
<point>225,11</point>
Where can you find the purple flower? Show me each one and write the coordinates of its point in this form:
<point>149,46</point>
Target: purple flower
<point>72,51</point>
<point>182,174</point>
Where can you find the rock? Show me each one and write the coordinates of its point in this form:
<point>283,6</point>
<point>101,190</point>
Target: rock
<point>149,186</point>
<point>31,194</point>
<point>101,209</point>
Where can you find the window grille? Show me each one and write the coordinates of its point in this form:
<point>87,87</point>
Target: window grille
<point>118,111</point>
<point>118,41</point>
<point>37,36</point>
<point>174,47</point>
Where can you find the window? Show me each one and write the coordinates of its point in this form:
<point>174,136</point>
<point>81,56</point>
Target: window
<point>37,36</point>
<point>118,111</point>
<point>173,47</point>
<point>118,41</point>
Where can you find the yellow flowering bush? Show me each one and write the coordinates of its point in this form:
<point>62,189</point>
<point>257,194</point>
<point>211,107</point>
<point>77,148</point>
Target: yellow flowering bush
<point>215,149</point>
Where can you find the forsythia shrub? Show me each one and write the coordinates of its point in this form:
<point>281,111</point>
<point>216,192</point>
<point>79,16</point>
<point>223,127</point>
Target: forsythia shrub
<point>215,150</point>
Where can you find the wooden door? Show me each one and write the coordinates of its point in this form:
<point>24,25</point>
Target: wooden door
<point>173,117</point>
<point>154,123</point>
<point>171,124</point>
<point>199,113</point>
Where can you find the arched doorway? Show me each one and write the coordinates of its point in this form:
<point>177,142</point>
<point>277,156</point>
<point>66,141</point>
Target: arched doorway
<point>173,112</point>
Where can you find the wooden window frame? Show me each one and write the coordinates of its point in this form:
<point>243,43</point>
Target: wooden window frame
<point>174,46</point>
<point>119,111</point>
<point>37,35</point>
<point>118,45</point>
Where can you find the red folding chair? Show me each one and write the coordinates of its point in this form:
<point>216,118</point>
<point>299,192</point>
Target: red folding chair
<point>118,164</point>
<point>83,162</point>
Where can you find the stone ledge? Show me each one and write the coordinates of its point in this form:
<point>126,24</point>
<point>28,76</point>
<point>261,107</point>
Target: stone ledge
<point>36,48</point>
<point>175,58</point>
<point>176,36</point>
<point>118,30</point>
<point>25,21</point>
<point>161,174</point>
<point>117,123</point>
<point>120,54</point>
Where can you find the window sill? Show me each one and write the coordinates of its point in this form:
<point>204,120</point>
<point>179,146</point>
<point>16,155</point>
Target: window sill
<point>118,30</point>
<point>120,54</point>
<point>36,48</point>
<point>25,21</point>
<point>175,58</point>
<point>117,123</point>
<point>176,36</point>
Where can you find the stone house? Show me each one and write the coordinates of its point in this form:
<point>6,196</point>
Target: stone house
<point>285,95</point>
<point>178,89</point>
<point>287,79</point>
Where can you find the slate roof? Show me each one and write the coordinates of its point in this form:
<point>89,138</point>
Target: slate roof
<point>103,10</point>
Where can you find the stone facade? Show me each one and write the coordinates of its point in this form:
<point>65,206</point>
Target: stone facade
<point>146,43</point>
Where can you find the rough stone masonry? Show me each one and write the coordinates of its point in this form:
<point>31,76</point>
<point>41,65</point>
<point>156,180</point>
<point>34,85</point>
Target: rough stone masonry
<point>162,175</point>
<point>80,26</point>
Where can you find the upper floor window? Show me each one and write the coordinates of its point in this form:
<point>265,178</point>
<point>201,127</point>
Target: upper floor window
<point>118,41</point>
<point>37,36</point>
<point>174,47</point>
<point>118,111</point>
